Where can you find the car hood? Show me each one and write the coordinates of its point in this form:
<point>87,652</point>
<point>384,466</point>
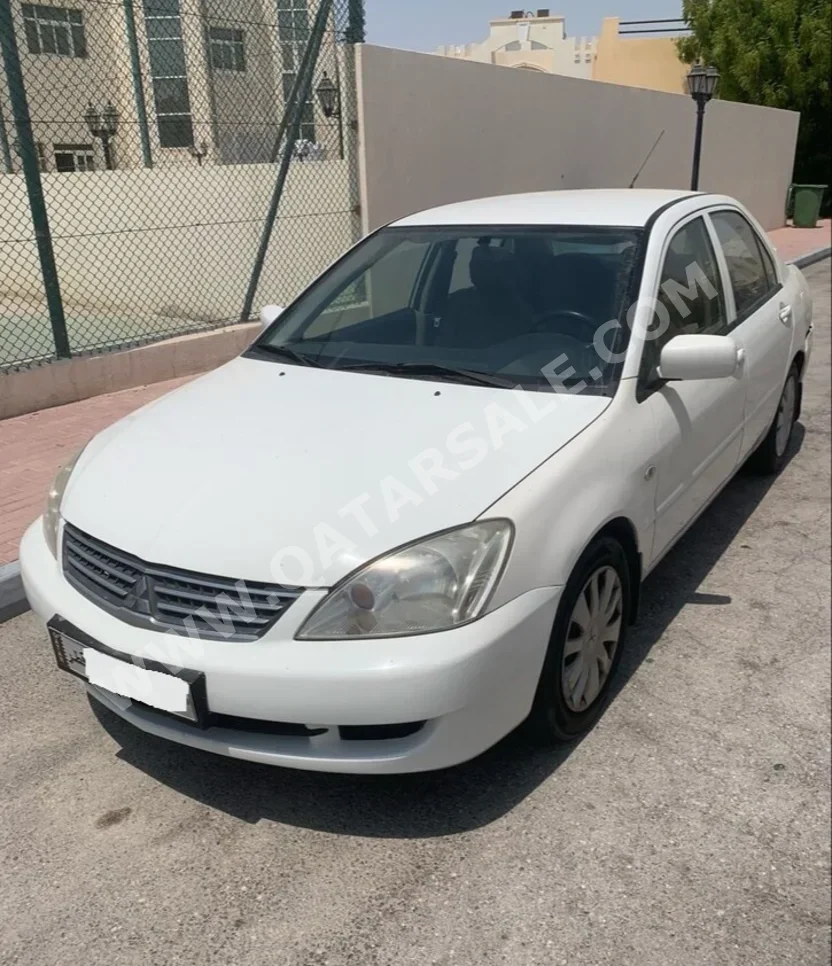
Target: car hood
<point>260,471</point>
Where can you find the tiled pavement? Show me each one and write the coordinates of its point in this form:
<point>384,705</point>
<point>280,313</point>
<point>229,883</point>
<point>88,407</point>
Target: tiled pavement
<point>32,447</point>
<point>35,445</point>
<point>791,242</point>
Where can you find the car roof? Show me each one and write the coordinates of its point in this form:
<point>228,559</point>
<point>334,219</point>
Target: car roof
<point>619,207</point>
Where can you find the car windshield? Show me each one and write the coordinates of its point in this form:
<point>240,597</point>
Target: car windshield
<point>493,306</point>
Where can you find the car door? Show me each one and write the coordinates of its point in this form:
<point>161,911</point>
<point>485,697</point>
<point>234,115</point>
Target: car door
<point>698,423</point>
<point>761,320</point>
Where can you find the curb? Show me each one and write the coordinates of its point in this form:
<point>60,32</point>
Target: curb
<point>804,261</point>
<point>12,599</point>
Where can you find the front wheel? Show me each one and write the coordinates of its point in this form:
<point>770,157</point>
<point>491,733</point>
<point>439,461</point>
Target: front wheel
<point>586,645</point>
<point>770,455</point>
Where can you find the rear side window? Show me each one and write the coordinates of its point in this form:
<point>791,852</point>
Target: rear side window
<point>768,261</point>
<point>751,278</point>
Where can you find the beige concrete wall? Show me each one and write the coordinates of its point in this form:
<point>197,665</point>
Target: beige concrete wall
<point>177,243</point>
<point>71,380</point>
<point>436,130</point>
<point>649,62</point>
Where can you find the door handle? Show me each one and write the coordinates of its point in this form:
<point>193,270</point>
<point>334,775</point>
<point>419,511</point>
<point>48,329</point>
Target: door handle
<point>785,314</point>
<point>740,359</point>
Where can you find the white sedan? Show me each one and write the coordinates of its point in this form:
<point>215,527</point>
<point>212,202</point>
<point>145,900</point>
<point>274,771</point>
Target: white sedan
<point>418,510</point>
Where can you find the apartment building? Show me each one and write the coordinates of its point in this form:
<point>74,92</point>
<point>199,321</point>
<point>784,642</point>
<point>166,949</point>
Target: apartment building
<point>531,42</point>
<point>625,55</point>
<point>126,83</point>
<point>625,52</point>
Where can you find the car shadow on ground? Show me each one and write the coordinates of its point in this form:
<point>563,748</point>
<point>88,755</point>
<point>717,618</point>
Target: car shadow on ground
<point>459,799</point>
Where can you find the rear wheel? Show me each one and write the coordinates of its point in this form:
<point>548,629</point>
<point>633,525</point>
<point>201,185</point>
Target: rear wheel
<point>770,455</point>
<point>586,645</point>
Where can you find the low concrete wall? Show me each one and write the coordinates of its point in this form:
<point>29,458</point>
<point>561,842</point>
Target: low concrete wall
<point>436,130</point>
<point>74,379</point>
<point>176,242</point>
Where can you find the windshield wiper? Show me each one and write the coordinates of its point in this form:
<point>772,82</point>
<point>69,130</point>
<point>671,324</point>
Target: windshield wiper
<point>429,370</point>
<point>290,355</point>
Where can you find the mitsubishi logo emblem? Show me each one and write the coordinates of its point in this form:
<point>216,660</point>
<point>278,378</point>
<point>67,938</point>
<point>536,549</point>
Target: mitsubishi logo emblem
<point>140,592</point>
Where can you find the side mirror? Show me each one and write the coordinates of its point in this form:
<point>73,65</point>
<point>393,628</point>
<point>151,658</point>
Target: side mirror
<point>268,314</point>
<point>700,357</point>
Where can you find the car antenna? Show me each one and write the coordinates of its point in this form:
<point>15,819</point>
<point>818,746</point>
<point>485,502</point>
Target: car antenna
<point>650,155</point>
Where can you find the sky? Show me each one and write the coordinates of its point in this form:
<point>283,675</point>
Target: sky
<point>428,24</point>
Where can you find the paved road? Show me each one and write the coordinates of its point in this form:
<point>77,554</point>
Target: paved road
<point>690,828</point>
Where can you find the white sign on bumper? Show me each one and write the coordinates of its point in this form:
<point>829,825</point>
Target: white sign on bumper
<point>162,691</point>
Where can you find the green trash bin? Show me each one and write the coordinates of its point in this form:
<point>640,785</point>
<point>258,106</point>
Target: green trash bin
<point>807,199</point>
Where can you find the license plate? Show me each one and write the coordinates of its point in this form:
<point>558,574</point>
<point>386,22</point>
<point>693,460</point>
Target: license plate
<point>143,682</point>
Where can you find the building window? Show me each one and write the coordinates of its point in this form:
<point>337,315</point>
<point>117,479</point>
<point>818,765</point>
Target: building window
<point>294,33</point>
<point>293,20</point>
<point>166,52</point>
<point>74,157</point>
<point>513,46</point>
<point>227,49</point>
<point>54,30</point>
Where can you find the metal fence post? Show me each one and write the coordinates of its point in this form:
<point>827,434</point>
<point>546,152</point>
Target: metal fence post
<point>34,187</point>
<point>138,87</point>
<point>292,122</point>
<point>160,257</point>
<point>4,144</point>
<point>294,98</point>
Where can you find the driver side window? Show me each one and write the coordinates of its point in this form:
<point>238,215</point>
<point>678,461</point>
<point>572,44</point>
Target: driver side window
<point>690,297</point>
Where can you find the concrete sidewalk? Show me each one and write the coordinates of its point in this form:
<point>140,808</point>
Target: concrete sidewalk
<point>35,445</point>
<point>797,243</point>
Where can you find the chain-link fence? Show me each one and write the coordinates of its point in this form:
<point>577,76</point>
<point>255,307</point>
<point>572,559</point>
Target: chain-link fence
<point>168,165</point>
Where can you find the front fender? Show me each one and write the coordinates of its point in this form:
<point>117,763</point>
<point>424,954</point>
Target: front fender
<point>601,476</point>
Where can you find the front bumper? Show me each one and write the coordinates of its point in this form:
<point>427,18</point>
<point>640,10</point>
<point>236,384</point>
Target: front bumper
<point>471,685</point>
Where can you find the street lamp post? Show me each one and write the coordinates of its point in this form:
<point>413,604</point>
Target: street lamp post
<point>702,83</point>
<point>103,125</point>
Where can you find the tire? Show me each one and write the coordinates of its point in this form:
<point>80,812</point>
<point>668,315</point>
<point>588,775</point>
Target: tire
<point>555,717</point>
<point>770,455</point>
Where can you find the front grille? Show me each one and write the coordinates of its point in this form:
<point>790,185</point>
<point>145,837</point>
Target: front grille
<point>166,598</point>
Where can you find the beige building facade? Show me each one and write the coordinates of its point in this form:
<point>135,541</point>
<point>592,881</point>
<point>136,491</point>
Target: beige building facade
<point>540,43</point>
<point>531,43</point>
<point>649,62</point>
<point>213,75</point>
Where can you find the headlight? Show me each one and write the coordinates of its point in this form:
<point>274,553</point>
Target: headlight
<point>434,585</point>
<point>52,513</point>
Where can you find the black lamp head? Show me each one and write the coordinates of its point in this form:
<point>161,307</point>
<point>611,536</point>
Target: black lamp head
<point>702,82</point>
<point>327,96</point>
